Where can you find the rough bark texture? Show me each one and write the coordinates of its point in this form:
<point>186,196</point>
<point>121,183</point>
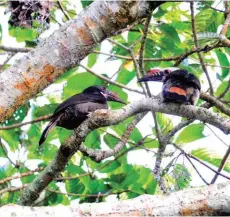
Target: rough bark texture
<point>64,49</point>
<point>207,201</point>
<point>101,118</point>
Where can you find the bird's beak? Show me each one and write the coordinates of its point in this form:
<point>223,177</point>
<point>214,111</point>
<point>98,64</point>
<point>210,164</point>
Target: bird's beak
<point>153,75</point>
<point>114,97</point>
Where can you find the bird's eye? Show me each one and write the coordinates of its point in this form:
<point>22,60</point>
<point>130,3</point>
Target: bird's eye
<point>167,71</point>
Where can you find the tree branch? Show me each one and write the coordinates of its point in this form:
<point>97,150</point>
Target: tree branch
<point>101,118</point>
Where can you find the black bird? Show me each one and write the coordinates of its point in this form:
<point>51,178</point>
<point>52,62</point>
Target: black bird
<point>178,84</point>
<point>72,112</point>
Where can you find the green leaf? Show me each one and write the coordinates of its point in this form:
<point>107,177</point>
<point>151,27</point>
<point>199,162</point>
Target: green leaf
<point>23,34</point>
<point>92,59</point>
<point>182,176</point>
<point>222,87</point>
<point>170,33</point>
<point>191,133</point>
<point>11,137</point>
<point>93,140</point>
<point>86,3</point>
<point>164,122</point>
<point>44,110</point>
<point>79,82</point>
<point>111,141</point>
<point>125,76</point>
<point>223,61</point>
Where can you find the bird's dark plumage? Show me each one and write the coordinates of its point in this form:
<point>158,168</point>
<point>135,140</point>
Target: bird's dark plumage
<point>178,85</point>
<point>72,112</point>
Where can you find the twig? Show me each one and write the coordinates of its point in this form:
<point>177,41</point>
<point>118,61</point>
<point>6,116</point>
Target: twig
<point>42,118</point>
<point>7,179</point>
<point>13,189</point>
<point>14,49</point>
<point>197,171</point>
<point>222,36</point>
<point>16,165</point>
<point>87,195</point>
<point>216,135</point>
<point>63,10</point>
<point>223,162</point>
<point>99,155</point>
<point>214,101</point>
<point>197,46</point>
<point>109,81</point>
<point>10,55</point>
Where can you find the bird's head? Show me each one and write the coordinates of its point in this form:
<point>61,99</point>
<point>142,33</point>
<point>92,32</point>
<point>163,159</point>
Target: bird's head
<point>157,74</point>
<point>101,90</point>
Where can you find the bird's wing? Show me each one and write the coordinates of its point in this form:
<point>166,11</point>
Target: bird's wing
<point>74,100</point>
<point>184,76</point>
<point>87,107</point>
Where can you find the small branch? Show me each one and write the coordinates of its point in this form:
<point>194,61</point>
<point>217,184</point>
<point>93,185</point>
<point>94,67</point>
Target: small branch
<point>223,162</point>
<point>99,155</point>
<point>197,46</point>
<point>63,10</point>
<point>12,189</point>
<point>7,179</point>
<point>216,103</point>
<point>87,195</point>
<point>10,55</point>
<point>14,49</point>
<point>109,81</point>
<point>16,165</point>
<point>222,36</point>
<point>42,118</point>
<point>197,171</point>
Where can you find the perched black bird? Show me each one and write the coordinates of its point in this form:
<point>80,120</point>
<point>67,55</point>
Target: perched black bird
<point>72,112</point>
<point>178,84</point>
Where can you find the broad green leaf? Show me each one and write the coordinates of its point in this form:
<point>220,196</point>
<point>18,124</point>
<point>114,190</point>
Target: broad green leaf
<point>23,34</point>
<point>191,133</point>
<point>110,140</point>
<point>125,76</point>
<point>93,140</point>
<point>79,82</point>
<point>44,110</point>
<point>222,88</point>
<point>223,61</point>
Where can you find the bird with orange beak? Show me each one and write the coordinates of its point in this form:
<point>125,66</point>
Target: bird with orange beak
<point>178,84</point>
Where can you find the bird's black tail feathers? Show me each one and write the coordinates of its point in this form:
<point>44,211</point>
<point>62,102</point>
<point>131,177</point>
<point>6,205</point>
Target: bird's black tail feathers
<point>49,127</point>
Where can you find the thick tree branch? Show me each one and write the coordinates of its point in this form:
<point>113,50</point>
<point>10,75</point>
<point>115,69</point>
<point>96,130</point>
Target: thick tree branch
<point>212,200</point>
<point>104,118</point>
<point>64,49</point>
